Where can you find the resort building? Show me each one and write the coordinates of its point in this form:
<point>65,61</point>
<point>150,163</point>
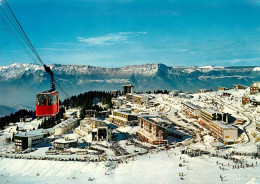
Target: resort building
<point>222,88</point>
<point>151,130</point>
<point>203,90</point>
<point>245,100</point>
<point>256,84</point>
<point>115,93</point>
<point>190,110</point>
<point>237,87</point>
<point>139,99</point>
<point>222,131</point>
<point>217,123</point>
<point>128,88</point>
<point>63,143</point>
<point>208,115</point>
<point>122,117</point>
<point>92,129</point>
<point>26,140</point>
<point>65,126</point>
<point>254,90</point>
<point>174,93</point>
<point>72,113</point>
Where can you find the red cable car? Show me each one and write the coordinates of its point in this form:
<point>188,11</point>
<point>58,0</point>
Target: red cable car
<point>47,104</point>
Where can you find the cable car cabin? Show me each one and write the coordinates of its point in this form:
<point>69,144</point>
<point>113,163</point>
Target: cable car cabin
<point>47,104</point>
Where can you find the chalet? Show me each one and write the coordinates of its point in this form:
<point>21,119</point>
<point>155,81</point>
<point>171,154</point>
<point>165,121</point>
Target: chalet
<point>222,88</point>
<point>190,110</point>
<point>254,90</point>
<point>237,87</point>
<point>224,94</point>
<point>245,100</point>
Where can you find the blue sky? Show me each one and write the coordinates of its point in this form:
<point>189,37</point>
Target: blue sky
<point>115,33</point>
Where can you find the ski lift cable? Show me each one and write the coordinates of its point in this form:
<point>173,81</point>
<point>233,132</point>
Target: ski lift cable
<point>17,29</point>
<point>25,38</point>
<point>33,49</point>
<point>17,38</point>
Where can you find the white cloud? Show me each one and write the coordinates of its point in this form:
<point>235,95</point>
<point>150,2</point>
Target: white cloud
<point>109,39</point>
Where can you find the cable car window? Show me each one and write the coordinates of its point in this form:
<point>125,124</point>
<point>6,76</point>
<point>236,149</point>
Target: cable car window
<point>38,100</point>
<point>55,99</point>
<point>44,99</point>
<point>51,99</point>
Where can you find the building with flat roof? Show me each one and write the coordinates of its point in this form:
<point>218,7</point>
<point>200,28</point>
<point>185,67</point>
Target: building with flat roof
<point>190,110</point>
<point>151,130</point>
<point>122,117</point>
<point>128,88</point>
<point>208,115</point>
<point>139,99</point>
<point>72,113</point>
<point>26,140</point>
<point>63,143</point>
<point>222,131</point>
<point>115,93</point>
<point>65,126</point>
<point>93,129</point>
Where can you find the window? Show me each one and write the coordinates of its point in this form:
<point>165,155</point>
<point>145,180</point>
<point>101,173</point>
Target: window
<point>52,99</point>
<point>44,99</point>
<point>38,100</point>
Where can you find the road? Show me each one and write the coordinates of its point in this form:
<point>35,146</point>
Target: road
<point>248,126</point>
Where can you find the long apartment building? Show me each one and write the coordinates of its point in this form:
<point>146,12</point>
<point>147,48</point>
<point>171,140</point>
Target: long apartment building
<point>190,110</point>
<point>65,126</point>
<point>208,115</point>
<point>122,117</point>
<point>216,123</point>
<point>224,132</point>
<point>151,131</point>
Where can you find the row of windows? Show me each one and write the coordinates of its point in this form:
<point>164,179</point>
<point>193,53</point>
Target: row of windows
<point>41,99</point>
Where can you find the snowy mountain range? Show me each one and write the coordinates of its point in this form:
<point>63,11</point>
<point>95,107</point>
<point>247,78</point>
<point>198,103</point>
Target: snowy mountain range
<point>8,109</point>
<point>21,82</point>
